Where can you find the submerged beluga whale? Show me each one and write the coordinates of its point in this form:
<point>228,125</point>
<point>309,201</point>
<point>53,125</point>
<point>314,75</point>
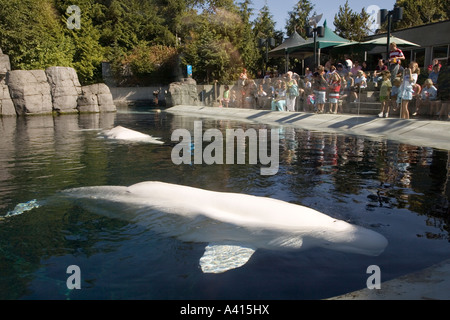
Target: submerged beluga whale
<point>234,225</point>
<point>125,134</point>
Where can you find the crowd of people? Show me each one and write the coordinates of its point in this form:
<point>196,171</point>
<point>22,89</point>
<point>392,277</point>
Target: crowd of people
<point>400,87</point>
<point>328,87</point>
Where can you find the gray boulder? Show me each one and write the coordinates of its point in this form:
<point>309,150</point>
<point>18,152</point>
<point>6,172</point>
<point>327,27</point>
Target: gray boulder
<point>30,91</point>
<point>96,98</point>
<point>5,65</point>
<point>6,103</point>
<point>65,88</point>
<point>182,93</point>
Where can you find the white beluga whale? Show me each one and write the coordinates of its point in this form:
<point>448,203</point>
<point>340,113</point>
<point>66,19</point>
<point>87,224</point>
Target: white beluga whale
<point>125,134</point>
<point>233,225</point>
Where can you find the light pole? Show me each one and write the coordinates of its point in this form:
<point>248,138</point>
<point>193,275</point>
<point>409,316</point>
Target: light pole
<point>267,42</point>
<point>313,30</point>
<point>397,15</point>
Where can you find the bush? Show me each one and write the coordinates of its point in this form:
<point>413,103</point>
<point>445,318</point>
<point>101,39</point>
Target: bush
<point>146,65</point>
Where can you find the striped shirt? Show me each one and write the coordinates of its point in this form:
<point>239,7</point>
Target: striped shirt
<point>397,53</point>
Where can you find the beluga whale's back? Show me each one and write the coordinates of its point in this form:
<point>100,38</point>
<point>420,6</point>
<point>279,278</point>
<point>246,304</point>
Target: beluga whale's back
<point>125,134</point>
<point>234,225</point>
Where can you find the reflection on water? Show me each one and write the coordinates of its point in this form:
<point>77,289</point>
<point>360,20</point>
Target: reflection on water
<point>399,190</point>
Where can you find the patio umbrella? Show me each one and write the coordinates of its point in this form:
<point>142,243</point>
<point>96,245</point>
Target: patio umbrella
<point>330,39</point>
<point>383,42</point>
<point>285,48</point>
<point>374,43</point>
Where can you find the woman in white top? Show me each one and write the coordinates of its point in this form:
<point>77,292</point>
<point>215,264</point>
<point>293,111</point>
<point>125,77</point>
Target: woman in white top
<point>406,91</point>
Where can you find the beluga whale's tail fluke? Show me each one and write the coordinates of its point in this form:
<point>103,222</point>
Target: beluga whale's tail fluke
<point>125,134</point>
<point>233,225</point>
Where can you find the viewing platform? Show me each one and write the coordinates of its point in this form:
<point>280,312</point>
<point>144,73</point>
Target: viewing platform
<point>418,132</point>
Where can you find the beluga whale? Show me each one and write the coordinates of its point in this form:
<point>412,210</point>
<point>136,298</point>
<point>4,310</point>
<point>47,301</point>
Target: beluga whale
<point>125,134</point>
<point>232,225</point>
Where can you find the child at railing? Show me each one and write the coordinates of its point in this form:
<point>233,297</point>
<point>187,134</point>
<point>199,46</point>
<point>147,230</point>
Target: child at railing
<point>360,83</point>
<point>385,92</point>
<point>335,88</point>
<point>226,97</point>
<point>394,93</point>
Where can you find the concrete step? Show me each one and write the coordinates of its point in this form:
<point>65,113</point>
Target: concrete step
<point>372,108</point>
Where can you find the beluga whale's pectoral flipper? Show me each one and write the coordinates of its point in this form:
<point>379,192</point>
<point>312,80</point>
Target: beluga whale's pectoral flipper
<point>219,258</point>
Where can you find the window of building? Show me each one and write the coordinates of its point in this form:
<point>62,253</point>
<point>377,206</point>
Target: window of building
<point>440,52</point>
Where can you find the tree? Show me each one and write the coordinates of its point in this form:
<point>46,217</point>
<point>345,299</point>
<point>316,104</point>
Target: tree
<point>298,18</point>
<point>351,25</point>
<point>247,43</point>
<point>88,52</point>
<point>264,28</point>
<point>32,35</point>
<point>419,12</point>
<point>219,41</point>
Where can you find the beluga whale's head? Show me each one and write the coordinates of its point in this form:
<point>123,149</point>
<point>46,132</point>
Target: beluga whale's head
<point>345,237</point>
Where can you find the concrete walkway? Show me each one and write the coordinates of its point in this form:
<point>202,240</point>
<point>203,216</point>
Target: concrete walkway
<point>432,283</point>
<point>419,132</point>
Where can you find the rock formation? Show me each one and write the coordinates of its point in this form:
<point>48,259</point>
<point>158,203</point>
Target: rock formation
<point>5,65</point>
<point>65,88</point>
<point>96,98</point>
<point>24,92</point>
<point>183,92</point>
<point>30,91</point>
<point>6,104</point>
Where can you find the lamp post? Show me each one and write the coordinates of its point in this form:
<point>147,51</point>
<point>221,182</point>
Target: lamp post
<point>313,31</point>
<point>396,15</point>
<point>267,42</point>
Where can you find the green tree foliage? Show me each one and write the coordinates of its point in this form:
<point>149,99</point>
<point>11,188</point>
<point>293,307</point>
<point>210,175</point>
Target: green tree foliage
<point>147,64</point>
<point>210,44</point>
<point>32,35</point>
<point>247,43</point>
<point>419,12</point>
<point>87,52</point>
<point>351,25</point>
<point>139,37</point>
<point>298,17</point>
<point>264,29</point>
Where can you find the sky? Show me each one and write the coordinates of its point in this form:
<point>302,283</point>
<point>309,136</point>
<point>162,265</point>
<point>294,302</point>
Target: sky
<point>329,8</point>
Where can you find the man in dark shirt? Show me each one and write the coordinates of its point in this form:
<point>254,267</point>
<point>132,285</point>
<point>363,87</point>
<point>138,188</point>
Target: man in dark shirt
<point>378,71</point>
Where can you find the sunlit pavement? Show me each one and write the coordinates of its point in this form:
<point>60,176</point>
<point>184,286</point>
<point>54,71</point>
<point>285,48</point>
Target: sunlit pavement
<point>418,132</point>
<point>432,283</point>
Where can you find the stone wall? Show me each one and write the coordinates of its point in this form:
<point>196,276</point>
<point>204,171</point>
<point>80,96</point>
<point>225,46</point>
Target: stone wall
<point>56,89</point>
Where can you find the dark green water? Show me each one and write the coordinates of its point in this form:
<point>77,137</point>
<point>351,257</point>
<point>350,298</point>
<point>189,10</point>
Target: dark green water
<point>398,190</point>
